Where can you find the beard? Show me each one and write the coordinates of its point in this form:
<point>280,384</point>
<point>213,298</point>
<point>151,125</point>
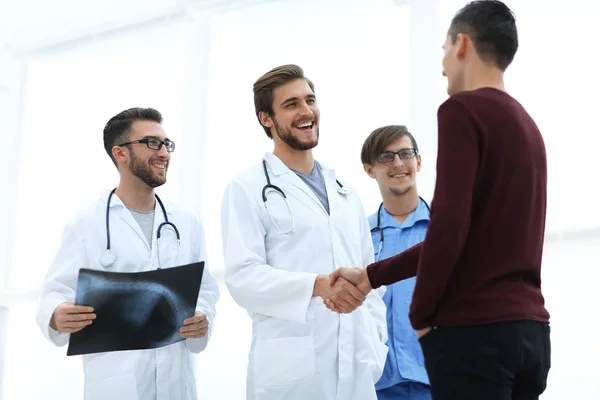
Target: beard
<point>288,138</point>
<point>143,171</point>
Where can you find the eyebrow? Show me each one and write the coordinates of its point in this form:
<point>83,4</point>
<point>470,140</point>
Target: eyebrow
<point>310,96</point>
<point>155,137</point>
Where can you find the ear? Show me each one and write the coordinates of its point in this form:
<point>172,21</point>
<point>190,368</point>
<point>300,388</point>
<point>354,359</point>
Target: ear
<point>462,41</point>
<point>418,162</point>
<point>120,154</point>
<point>369,170</point>
<point>265,119</point>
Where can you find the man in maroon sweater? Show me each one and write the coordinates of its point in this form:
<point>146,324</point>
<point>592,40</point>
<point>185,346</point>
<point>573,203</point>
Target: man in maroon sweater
<point>477,306</point>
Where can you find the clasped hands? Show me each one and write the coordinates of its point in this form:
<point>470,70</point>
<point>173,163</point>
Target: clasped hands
<point>349,289</point>
<point>345,289</point>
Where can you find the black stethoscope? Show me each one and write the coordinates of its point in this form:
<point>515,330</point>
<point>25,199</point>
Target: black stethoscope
<point>108,258</point>
<point>341,190</point>
<point>380,229</point>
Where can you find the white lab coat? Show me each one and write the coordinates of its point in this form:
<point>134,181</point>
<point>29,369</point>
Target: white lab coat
<point>163,373</point>
<point>300,350</point>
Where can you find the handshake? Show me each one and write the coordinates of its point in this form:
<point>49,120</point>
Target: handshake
<point>344,290</point>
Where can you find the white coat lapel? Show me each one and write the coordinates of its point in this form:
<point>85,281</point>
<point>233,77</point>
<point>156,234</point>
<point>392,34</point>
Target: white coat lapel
<point>128,218</point>
<point>300,186</point>
<point>295,186</point>
<point>332,188</point>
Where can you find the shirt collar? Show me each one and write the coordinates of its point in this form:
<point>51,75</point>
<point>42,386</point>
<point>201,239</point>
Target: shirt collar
<point>420,214</point>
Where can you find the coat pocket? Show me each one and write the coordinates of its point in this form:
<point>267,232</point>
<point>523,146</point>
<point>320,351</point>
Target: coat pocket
<point>109,376</point>
<point>285,361</point>
<point>373,351</point>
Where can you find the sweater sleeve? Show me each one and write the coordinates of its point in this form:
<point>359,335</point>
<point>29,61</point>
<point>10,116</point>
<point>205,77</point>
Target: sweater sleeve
<point>397,268</point>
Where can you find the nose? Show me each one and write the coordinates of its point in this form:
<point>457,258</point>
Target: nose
<point>163,153</point>
<point>305,109</point>
<point>397,160</point>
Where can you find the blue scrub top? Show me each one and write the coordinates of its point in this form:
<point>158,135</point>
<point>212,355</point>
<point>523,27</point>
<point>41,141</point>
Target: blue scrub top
<point>404,361</point>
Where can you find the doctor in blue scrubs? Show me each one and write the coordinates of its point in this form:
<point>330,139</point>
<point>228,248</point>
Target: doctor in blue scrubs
<point>390,155</point>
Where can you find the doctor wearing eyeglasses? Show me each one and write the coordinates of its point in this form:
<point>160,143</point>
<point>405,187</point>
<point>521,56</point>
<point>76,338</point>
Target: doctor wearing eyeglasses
<point>131,229</point>
<point>287,222</point>
<point>390,155</point>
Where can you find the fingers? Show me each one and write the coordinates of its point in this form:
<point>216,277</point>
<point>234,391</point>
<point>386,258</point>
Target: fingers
<point>199,317</point>
<point>71,308</point>
<point>194,335</point>
<point>349,293</point>
<point>335,307</point>
<point>193,327</point>
<point>345,297</point>
<point>194,331</point>
<point>352,290</point>
<point>344,305</point>
<point>352,275</point>
<point>334,276</point>
<point>74,326</point>
<point>78,309</point>
<point>340,301</point>
<point>76,317</point>
<point>70,318</point>
<point>329,305</point>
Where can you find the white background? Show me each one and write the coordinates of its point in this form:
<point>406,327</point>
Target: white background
<point>67,66</point>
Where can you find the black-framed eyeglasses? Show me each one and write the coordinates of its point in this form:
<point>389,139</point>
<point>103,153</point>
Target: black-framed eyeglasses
<point>388,156</point>
<point>154,144</point>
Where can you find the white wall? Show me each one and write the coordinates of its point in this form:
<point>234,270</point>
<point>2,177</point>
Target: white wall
<point>569,281</point>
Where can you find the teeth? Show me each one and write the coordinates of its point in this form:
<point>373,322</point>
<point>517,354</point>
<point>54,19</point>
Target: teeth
<point>305,125</point>
<point>159,166</point>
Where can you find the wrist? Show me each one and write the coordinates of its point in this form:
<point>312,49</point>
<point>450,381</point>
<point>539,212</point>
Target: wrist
<point>365,285</point>
<point>321,281</point>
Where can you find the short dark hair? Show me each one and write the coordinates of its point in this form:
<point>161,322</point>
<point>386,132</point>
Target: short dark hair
<point>492,28</point>
<point>117,128</point>
<point>382,137</point>
<point>264,86</point>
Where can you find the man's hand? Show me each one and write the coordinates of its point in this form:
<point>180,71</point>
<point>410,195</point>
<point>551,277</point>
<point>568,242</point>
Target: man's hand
<point>69,318</point>
<point>195,327</point>
<point>423,332</point>
<point>356,276</point>
<point>343,293</point>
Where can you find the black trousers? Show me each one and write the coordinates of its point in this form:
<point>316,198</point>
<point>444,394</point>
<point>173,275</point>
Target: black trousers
<point>501,361</point>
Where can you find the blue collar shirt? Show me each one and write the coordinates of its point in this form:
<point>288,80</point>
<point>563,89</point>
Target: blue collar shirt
<point>404,361</point>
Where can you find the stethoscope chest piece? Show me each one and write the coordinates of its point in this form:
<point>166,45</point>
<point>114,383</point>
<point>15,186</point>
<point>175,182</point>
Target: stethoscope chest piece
<point>344,191</point>
<point>107,259</point>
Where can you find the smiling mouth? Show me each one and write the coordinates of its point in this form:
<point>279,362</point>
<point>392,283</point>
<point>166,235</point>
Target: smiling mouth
<point>401,175</point>
<point>160,166</point>
<point>305,126</point>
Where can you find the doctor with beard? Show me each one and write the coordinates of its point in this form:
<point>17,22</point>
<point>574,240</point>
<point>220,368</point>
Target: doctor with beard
<point>138,146</point>
<point>287,223</point>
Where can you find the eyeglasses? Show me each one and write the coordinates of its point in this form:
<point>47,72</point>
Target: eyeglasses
<point>154,144</point>
<point>388,156</point>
